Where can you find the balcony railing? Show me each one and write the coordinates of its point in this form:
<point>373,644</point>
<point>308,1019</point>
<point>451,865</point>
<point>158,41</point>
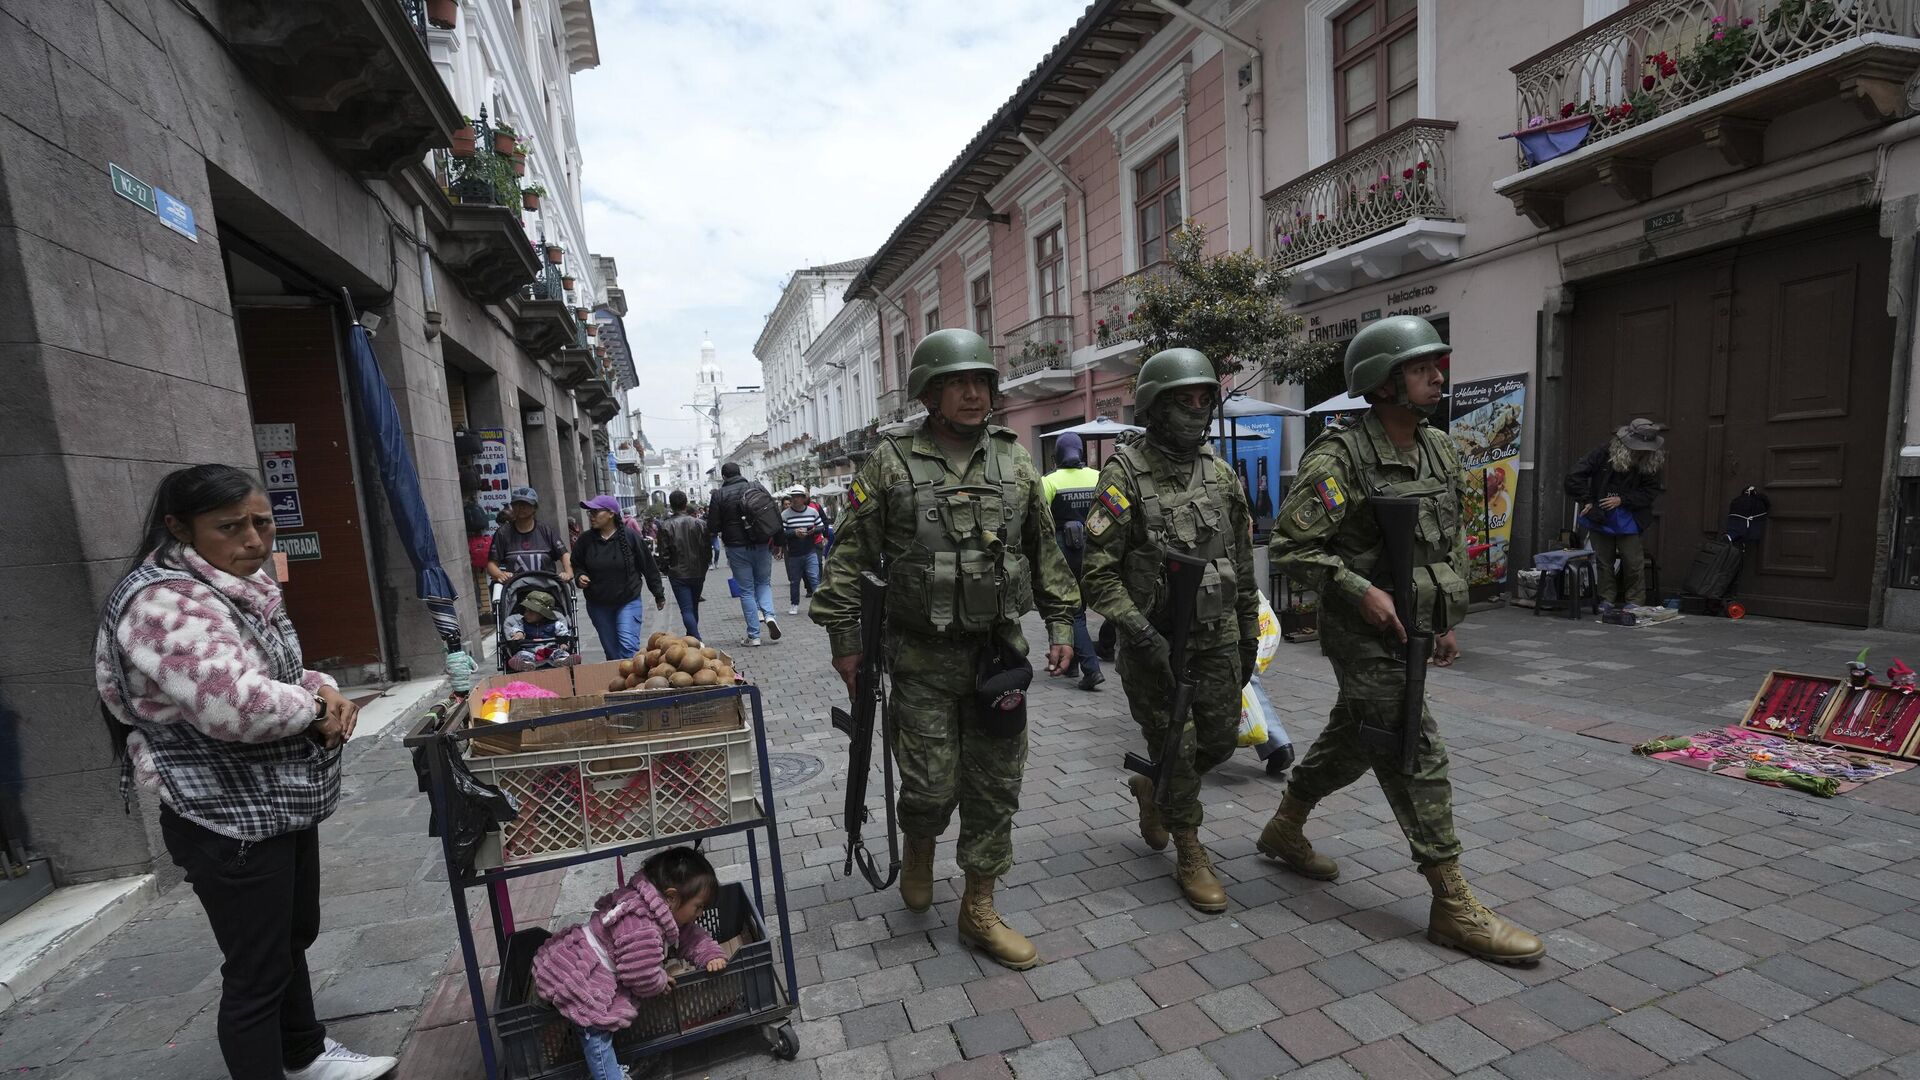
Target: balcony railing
<point>1377,186</point>
<point>1039,343</point>
<point>1114,302</point>
<point>1657,56</point>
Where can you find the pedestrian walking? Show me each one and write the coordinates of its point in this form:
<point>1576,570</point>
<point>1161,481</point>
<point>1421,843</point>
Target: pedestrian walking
<point>802,530</point>
<point>613,563</point>
<point>1326,538</point>
<point>1616,485</point>
<point>215,716</point>
<point>525,544</point>
<point>1069,493</point>
<point>955,509</point>
<point>745,518</point>
<point>683,550</point>
<point>1169,492</point>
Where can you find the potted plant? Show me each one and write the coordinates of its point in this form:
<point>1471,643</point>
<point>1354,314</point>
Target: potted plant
<point>567,282</point>
<point>504,139</point>
<point>444,14</point>
<point>556,254</point>
<point>530,196</point>
<point>463,138</point>
<point>582,313</point>
<point>1300,621</point>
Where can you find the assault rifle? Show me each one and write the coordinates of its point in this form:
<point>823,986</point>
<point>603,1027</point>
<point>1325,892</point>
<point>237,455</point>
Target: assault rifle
<point>1398,519</point>
<point>1183,590</point>
<point>869,705</point>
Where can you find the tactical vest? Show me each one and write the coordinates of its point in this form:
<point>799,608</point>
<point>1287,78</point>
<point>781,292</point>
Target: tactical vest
<point>963,567</point>
<point>1440,596</point>
<point>1196,520</point>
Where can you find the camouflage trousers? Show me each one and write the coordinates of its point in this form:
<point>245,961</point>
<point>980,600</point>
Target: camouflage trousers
<point>945,760</point>
<point>1423,800</point>
<point>1213,723</point>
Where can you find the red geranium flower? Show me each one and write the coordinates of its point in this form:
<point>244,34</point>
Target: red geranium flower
<point>1406,174</point>
<point>1646,82</point>
<point>1567,109</point>
<point>1421,166</point>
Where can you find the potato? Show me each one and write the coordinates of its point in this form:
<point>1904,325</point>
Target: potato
<point>626,668</point>
<point>655,683</point>
<point>616,686</point>
<point>724,672</point>
<point>679,679</point>
<point>692,643</point>
<point>662,670</point>
<point>710,653</point>
<point>706,677</point>
<point>653,639</point>
<point>691,661</point>
<point>672,654</point>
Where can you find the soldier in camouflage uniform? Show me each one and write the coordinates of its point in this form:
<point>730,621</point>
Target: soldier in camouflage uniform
<point>1168,490</point>
<point>954,507</point>
<point>1326,538</point>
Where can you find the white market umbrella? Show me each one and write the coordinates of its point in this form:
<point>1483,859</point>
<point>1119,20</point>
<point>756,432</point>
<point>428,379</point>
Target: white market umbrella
<point>1098,428</point>
<point>1244,405</point>
<point>1227,429</point>
<point>1341,403</point>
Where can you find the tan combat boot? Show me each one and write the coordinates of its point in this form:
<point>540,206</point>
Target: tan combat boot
<point>1154,833</point>
<point>1195,873</point>
<point>916,874</point>
<point>981,926</point>
<point>1459,919</point>
<point>1283,839</point>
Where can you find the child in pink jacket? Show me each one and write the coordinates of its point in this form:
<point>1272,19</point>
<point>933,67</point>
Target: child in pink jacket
<point>594,972</point>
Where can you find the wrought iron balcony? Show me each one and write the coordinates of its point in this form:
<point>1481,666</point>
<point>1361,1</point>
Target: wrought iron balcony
<point>355,73</point>
<point>1664,75</point>
<point>1039,343</point>
<point>1115,347</point>
<point>1380,185</point>
<point>479,234</point>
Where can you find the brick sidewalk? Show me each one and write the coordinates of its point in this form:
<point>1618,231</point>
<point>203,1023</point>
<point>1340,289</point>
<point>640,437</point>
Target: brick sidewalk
<point>1697,926</point>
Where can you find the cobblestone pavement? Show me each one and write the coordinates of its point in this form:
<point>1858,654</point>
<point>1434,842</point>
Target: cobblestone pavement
<point>1697,926</point>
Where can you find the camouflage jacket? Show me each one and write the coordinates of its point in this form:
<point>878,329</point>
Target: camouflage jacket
<point>1326,538</point>
<point>881,522</point>
<point>1122,576</point>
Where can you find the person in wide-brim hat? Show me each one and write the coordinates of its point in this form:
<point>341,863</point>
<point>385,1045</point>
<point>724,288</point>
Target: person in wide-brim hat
<point>1615,485</point>
<point>1642,434</point>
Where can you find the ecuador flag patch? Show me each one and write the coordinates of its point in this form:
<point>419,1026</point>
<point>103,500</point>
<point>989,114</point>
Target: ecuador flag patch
<point>1115,502</point>
<point>856,496</point>
<point>1330,494</point>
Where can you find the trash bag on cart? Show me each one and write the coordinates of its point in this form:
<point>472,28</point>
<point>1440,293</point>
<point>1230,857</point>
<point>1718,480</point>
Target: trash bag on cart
<point>478,807</point>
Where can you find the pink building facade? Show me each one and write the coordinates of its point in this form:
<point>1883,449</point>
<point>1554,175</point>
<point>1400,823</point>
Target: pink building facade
<point>1036,233</point>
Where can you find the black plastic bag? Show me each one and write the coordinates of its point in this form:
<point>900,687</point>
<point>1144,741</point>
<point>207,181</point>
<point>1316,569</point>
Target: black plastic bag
<point>478,807</point>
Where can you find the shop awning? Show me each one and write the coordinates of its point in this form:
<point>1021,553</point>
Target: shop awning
<point>379,421</point>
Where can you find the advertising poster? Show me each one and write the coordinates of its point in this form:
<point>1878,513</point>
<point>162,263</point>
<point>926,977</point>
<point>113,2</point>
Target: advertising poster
<point>1487,418</point>
<point>1257,462</point>
<point>491,465</point>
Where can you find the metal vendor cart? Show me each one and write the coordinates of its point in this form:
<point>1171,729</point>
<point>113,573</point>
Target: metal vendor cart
<point>580,804</point>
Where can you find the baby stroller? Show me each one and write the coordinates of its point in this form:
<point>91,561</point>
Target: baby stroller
<point>532,653</point>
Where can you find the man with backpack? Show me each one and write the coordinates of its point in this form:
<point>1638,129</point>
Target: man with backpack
<point>1069,492</point>
<point>745,518</point>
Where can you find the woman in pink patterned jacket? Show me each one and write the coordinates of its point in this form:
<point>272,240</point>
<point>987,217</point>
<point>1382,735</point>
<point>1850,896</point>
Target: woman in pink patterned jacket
<point>593,972</point>
<point>201,680</point>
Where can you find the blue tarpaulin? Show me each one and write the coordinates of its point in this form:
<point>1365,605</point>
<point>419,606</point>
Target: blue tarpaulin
<point>379,421</point>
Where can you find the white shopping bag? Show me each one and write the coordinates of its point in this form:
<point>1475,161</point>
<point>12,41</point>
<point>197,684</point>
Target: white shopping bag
<point>1269,637</point>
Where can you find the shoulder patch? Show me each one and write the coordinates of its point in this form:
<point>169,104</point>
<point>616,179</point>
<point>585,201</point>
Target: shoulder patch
<point>1114,501</point>
<point>1307,513</point>
<point>1099,521</point>
<point>1330,494</point>
<point>856,495</point>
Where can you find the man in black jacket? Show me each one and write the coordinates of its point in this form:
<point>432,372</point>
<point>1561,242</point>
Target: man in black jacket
<point>749,557</point>
<point>685,551</point>
<point>1615,486</point>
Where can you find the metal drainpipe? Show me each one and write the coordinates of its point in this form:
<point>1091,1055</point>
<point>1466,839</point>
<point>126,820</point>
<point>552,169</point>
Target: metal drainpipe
<point>1255,105</point>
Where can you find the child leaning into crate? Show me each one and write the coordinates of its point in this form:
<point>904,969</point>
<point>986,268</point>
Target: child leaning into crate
<point>594,972</point>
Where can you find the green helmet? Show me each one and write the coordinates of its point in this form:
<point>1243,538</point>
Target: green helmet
<point>1168,369</point>
<point>945,352</point>
<point>1385,345</point>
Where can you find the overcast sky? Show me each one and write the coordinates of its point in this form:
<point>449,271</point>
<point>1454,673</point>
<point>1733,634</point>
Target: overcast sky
<point>729,142</point>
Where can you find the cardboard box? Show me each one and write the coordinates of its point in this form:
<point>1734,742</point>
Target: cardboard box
<point>585,687</point>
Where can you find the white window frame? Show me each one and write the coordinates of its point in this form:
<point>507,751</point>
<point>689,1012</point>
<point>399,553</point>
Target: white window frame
<point>1169,88</point>
<point>1038,225</point>
<point>1323,139</point>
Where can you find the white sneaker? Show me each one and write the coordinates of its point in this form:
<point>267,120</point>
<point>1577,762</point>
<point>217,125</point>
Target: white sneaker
<point>793,609</point>
<point>773,630</point>
<point>337,1062</point>
<point>750,642</point>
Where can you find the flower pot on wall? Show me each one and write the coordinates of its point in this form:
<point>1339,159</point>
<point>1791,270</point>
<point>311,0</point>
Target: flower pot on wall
<point>503,141</point>
<point>566,282</point>
<point>556,254</point>
<point>463,139</point>
<point>444,14</point>
<point>529,200</point>
<point>519,166</point>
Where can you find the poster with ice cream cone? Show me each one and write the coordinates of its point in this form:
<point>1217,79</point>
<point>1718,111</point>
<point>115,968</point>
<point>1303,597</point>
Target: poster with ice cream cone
<point>1487,416</point>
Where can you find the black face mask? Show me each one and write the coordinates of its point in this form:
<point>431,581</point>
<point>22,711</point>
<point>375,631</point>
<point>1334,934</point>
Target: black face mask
<point>1178,430</point>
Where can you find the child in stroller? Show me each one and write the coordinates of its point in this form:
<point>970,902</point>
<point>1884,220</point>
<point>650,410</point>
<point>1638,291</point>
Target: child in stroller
<point>539,632</point>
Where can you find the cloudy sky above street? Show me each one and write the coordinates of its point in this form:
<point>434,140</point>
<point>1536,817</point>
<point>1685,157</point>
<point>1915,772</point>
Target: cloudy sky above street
<point>730,142</point>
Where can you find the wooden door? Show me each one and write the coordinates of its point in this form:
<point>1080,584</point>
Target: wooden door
<point>1769,363</point>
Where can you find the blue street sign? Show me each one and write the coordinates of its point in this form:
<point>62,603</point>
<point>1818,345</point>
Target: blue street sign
<point>286,509</point>
<point>175,215</point>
